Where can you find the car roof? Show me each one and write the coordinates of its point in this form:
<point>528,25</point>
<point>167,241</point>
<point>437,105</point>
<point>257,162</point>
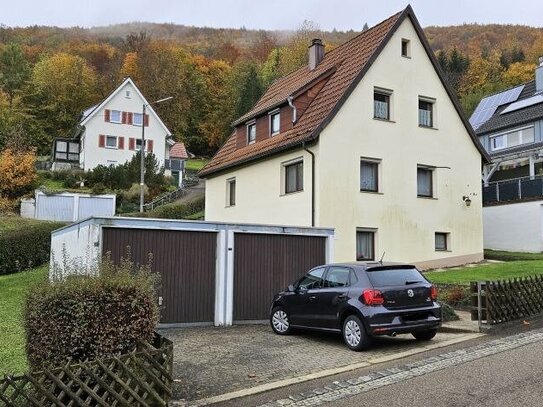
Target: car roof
<point>364,265</point>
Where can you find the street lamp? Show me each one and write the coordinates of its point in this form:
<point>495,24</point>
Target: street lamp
<point>142,149</point>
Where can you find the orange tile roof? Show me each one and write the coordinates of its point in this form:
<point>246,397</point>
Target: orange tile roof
<point>348,64</point>
<point>178,150</point>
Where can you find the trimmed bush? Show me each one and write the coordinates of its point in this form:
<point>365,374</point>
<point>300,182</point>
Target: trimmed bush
<point>88,317</point>
<point>174,210</point>
<point>448,313</point>
<point>26,246</point>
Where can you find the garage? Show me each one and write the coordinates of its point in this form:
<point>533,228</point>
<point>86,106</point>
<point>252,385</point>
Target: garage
<point>211,272</point>
<point>266,263</point>
<point>186,262</point>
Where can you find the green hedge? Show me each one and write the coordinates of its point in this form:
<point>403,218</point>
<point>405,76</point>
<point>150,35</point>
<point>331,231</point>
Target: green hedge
<point>89,317</point>
<point>174,210</point>
<point>26,246</point>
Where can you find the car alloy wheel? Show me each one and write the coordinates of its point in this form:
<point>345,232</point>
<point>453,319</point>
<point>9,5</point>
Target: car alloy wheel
<point>280,321</point>
<point>353,333</point>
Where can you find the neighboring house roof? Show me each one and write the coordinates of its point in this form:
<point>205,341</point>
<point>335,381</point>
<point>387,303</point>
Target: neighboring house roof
<point>344,67</point>
<point>501,121</point>
<point>178,150</point>
<point>91,111</point>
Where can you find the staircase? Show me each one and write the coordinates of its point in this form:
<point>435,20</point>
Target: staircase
<point>169,197</point>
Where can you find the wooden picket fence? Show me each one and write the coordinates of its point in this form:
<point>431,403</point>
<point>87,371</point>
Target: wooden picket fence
<point>495,302</point>
<point>141,378</point>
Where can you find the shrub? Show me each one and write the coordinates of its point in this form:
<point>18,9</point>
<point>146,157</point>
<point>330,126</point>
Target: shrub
<point>26,247</point>
<point>455,295</point>
<point>7,206</point>
<point>176,210</point>
<point>17,173</point>
<point>447,313</point>
<point>82,317</point>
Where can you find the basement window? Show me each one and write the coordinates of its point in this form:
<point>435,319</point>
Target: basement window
<point>441,241</point>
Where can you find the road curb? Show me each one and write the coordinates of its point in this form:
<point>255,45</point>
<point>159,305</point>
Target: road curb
<point>325,373</point>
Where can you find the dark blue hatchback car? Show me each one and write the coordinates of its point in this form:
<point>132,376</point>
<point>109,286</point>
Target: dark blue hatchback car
<point>360,300</point>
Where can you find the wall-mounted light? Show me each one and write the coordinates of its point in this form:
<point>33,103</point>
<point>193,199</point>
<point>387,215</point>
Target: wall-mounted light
<point>467,200</point>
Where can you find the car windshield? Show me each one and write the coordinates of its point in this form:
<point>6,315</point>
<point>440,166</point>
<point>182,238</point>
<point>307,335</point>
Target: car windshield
<point>383,277</point>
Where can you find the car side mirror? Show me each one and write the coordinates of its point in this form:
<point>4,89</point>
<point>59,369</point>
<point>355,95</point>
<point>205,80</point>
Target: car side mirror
<point>291,288</point>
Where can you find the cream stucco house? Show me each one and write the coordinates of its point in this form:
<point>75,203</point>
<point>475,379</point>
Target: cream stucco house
<point>109,133</point>
<point>367,139</point>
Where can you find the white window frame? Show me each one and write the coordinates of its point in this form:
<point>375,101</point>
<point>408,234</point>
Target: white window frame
<point>120,116</point>
<point>447,242</point>
<point>116,146</point>
<point>504,135</point>
<point>408,48</point>
<point>374,232</point>
<point>387,93</point>
<point>271,115</point>
<point>229,183</point>
<point>433,181</point>
<point>140,115</point>
<point>432,102</point>
<point>284,166</point>
<point>248,126</point>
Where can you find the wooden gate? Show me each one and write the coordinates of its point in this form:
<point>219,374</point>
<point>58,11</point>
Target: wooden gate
<point>265,264</point>
<point>185,261</point>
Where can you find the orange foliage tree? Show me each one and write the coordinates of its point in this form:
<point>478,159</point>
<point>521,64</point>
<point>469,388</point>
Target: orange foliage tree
<point>17,173</point>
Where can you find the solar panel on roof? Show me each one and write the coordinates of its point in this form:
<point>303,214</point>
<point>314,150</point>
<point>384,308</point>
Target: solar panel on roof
<point>521,104</point>
<point>487,106</point>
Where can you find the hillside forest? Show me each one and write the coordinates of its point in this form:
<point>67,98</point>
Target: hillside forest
<point>49,75</point>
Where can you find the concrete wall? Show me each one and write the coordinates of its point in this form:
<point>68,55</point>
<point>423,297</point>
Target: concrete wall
<point>93,155</point>
<point>70,207</point>
<point>514,227</point>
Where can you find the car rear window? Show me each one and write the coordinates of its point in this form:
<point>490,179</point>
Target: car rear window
<point>383,277</point>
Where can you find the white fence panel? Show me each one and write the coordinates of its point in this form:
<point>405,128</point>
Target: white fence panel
<point>55,207</point>
<point>71,207</point>
<point>96,206</point>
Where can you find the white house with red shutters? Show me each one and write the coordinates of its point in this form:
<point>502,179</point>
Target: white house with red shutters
<point>109,133</point>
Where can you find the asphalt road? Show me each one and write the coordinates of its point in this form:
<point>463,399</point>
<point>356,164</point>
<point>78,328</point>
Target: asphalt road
<point>511,378</point>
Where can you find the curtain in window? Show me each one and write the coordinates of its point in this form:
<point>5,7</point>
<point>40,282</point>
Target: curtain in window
<point>380,109</point>
<point>424,182</point>
<point>368,176</point>
<point>364,245</point>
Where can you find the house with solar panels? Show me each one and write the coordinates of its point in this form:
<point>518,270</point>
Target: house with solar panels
<point>509,125</point>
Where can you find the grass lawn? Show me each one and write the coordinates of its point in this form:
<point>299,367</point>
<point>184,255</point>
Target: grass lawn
<point>511,256</point>
<point>12,338</point>
<point>195,164</point>
<point>496,271</point>
<point>16,222</point>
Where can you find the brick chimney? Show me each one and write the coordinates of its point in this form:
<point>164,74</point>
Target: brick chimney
<point>316,53</point>
<point>539,76</point>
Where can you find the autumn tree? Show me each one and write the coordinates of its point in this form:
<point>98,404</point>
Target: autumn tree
<point>14,71</point>
<point>17,173</point>
<point>63,86</point>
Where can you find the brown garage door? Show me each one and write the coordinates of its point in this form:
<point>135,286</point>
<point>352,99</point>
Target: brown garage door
<point>265,264</point>
<point>186,262</point>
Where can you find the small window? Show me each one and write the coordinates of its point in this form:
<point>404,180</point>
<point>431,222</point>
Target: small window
<point>441,241</point>
<point>251,133</point>
<point>294,177</point>
<point>369,175</point>
<point>127,94</point>
<point>426,113</point>
<point>274,123</point>
<point>231,192</point>
<point>424,182</point>
<point>138,144</point>
<point>336,277</point>
<point>111,142</point>
<point>381,105</point>
<point>115,116</point>
<point>365,245</point>
<point>137,119</point>
<point>406,48</point>
<point>312,280</point>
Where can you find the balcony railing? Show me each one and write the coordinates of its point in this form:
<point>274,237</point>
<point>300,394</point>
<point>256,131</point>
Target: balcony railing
<point>511,190</point>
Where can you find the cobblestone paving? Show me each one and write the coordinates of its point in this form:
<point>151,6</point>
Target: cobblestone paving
<point>340,390</point>
<point>211,361</point>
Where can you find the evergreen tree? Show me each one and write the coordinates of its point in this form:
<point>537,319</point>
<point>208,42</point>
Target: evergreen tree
<point>14,70</point>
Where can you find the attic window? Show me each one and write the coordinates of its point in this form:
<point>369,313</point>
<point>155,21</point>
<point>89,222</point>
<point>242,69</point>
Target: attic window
<point>406,48</point>
<point>274,122</point>
<point>127,94</point>
<point>251,132</point>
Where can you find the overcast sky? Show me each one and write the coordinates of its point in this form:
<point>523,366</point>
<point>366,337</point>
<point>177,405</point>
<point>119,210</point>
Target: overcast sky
<point>270,14</point>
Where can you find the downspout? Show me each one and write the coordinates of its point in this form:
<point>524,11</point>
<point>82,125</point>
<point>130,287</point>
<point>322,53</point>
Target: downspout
<point>294,112</point>
<point>312,183</point>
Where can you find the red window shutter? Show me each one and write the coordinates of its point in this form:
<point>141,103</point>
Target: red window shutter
<point>101,140</point>
<point>106,115</point>
<point>150,145</point>
<point>121,143</point>
<point>131,143</point>
<point>129,117</point>
<point>146,120</point>
<point>124,117</point>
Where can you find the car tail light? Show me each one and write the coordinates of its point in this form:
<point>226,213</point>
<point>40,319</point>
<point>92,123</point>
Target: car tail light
<point>373,297</point>
<point>433,293</point>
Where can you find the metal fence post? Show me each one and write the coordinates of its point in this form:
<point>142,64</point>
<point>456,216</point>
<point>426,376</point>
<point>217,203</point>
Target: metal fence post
<point>519,189</point>
<point>479,304</point>
<point>497,192</point>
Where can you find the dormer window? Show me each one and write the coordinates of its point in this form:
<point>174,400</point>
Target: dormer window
<point>275,120</point>
<point>251,132</point>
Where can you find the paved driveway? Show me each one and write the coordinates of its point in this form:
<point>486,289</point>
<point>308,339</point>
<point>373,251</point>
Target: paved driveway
<point>210,361</point>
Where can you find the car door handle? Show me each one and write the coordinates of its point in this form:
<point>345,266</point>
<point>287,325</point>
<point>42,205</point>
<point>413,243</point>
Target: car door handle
<point>312,297</point>
<point>342,296</point>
